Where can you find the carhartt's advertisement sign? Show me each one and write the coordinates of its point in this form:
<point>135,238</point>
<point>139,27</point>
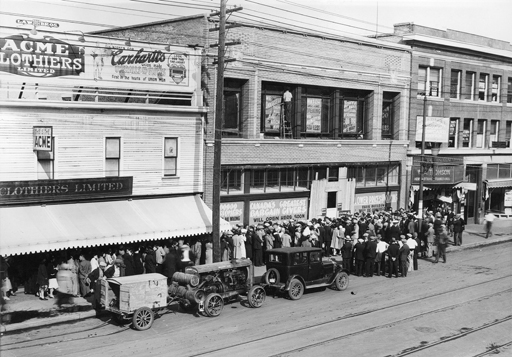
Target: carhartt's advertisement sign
<point>104,61</point>
<point>40,56</point>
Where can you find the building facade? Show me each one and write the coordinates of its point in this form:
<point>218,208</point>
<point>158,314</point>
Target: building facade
<point>312,125</point>
<point>101,141</point>
<point>462,83</point>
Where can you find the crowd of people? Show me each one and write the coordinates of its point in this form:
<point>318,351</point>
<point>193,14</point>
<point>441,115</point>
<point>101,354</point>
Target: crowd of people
<point>381,243</point>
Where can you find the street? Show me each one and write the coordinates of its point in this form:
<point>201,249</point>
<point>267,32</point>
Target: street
<point>461,308</point>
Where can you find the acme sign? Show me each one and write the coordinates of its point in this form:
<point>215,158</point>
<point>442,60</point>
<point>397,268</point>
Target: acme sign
<point>40,56</point>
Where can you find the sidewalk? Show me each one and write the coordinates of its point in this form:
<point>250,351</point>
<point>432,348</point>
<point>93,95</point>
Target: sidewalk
<point>27,311</point>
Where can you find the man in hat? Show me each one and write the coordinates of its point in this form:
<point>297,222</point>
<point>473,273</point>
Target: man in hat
<point>393,252</point>
<point>488,221</point>
<point>359,250</point>
<point>346,254</point>
<point>458,228</point>
<point>257,241</point>
<point>370,255</point>
<point>404,258</point>
<point>413,247</point>
<point>442,243</point>
<point>382,247</point>
<point>393,231</point>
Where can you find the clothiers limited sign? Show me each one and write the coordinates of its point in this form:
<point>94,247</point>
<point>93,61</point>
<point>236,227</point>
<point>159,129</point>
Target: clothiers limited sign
<point>62,190</point>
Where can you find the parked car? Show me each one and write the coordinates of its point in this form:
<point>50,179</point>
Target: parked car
<point>295,269</point>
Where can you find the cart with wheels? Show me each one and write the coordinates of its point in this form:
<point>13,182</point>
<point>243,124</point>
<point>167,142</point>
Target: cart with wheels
<point>136,297</point>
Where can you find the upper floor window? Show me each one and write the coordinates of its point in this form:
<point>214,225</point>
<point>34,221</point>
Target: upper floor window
<point>232,121</point>
<point>480,133</point>
<point>453,133</point>
<point>430,81</point>
<point>231,181</point>
<point>508,133</point>
<point>498,171</point>
<point>494,132</point>
<point>170,156</point>
<point>371,176</point>
<point>112,156</point>
<point>470,85</point>
<point>495,89</point>
<point>455,83</point>
<point>509,90</point>
<point>482,86</point>
<point>467,133</point>
<point>387,120</point>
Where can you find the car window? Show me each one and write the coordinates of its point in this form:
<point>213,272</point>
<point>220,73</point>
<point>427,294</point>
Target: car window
<point>300,258</point>
<point>275,258</point>
<point>315,257</point>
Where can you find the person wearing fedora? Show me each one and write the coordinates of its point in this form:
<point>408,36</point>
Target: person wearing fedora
<point>442,243</point>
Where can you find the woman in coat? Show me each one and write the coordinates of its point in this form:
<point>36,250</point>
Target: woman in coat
<point>84,269</point>
<point>42,279</point>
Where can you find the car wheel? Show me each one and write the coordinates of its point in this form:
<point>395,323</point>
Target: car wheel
<point>213,305</point>
<point>256,296</point>
<point>272,276</point>
<point>296,289</point>
<point>341,281</point>
<point>143,318</point>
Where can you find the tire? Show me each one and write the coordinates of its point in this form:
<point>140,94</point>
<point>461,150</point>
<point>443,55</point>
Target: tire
<point>341,281</point>
<point>296,289</point>
<point>213,305</point>
<point>272,276</point>
<point>256,296</point>
<point>143,318</point>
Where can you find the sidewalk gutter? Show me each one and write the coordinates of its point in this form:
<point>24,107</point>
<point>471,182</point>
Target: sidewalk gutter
<point>76,316</point>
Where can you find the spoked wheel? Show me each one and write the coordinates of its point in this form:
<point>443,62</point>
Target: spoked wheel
<point>213,305</point>
<point>256,296</point>
<point>143,318</point>
<point>341,281</point>
<point>296,289</point>
<point>271,276</point>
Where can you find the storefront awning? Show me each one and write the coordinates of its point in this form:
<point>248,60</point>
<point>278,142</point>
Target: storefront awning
<point>417,188</point>
<point>445,199</point>
<point>34,229</point>
<point>470,186</point>
<point>499,183</point>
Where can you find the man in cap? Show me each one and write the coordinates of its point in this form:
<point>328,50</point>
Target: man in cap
<point>413,246</point>
<point>442,243</point>
<point>370,254</point>
<point>458,228</point>
<point>346,254</point>
<point>393,252</point>
<point>359,250</point>
<point>404,258</point>
<point>382,247</point>
<point>257,241</point>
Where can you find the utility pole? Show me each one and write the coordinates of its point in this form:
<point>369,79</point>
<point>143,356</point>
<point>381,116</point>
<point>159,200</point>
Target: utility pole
<point>219,114</point>
<point>422,157</point>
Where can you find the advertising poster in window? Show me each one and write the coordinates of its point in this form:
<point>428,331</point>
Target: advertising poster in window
<point>508,198</point>
<point>436,129</point>
<point>233,212</point>
<point>369,202</point>
<point>272,112</point>
<point>278,210</point>
<point>314,115</point>
<point>350,116</point>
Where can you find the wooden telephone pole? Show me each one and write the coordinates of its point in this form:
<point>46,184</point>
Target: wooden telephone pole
<point>219,114</point>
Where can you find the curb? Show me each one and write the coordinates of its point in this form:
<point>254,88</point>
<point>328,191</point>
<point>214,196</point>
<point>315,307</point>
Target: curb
<point>75,316</point>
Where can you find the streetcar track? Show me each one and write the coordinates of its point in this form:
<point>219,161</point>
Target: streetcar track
<point>454,337</point>
<point>493,350</point>
<point>349,316</point>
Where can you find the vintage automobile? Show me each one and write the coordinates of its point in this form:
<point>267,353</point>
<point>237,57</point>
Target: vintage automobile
<point>295,269</point>
<point>207,287</point>
<point>137,297</point>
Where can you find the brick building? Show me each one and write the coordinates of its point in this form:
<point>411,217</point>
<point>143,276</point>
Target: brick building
<point>337,140</point>
<point>467,80</point>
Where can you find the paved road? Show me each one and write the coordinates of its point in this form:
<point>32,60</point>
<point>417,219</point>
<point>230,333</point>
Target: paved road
<point>461,308</point>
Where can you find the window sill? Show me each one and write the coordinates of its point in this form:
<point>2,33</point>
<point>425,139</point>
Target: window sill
<point>170,178</point>
<point>434,99</point>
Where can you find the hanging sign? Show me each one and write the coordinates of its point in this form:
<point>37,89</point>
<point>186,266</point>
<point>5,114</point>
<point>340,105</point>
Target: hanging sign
<point>42,138</point>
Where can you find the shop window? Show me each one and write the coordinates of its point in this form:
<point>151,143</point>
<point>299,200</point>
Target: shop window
<point>232,121</point>
<point>303,177</point>
<point>494,132</point>
<point>257,181</point>
<point>287,179</point>
<point>170,156</point>
<point>333,173</point>
<point>231,182</point>
<point>492,171</point>
<point>453,133</point>
<point>482,86</point>
<point>470,85</point>
<point>369,176</point>
<point>46,163</point>
<point>480,133</point>
<point>352,119</point>
<point>509,90</point>
<point>429,81</point>
<point>272,182</point>
<point>495,88</point>
<point>112,157</point>
<point>387,119</point>
<point>467,133</point>
<point>455,81</point>
<point>393,175</point>
<point>381,176</point>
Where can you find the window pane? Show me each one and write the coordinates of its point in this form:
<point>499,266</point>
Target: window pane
<point>272,180</point>
<point>393,175</point>
<point>273,109</point>
<point>171,147</point>
<point>235,181</point>
<point>333,173</point>
<point>369,176</point>
<point>434,82</point>
<point>303,180</point>
<point>224,181</point>
<point>320,173</point>
<point>454,84</point>
<point>331,199</point>
<point>112,167</point>
<point>492,171</point>
<point>257,180</point>
<point>112,148</point>
<point>350,116</point>
<point>231,110</point>
<point>504,171</point>
<point>466,134</point>
<point>359,176</point>
<point>482,86</point>
<point>470,78</point>
<point>452,135</point>
<point>387,120</point>
<point>381,176</point>
<point>509,90</point>
<point>422,78</point>
<point>170,166</point>
<point>287,179</point>
<point>495,88</point>
<point>314,115</point>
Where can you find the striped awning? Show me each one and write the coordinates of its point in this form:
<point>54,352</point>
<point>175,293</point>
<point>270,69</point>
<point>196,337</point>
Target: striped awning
<point>499,183</point>
<point>33,229</point>
<point>417,188</point>
<point>470,186</point>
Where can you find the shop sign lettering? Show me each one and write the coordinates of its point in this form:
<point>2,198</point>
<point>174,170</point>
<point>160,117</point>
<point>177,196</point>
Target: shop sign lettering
<point>278,210</point>
<point>233,212</point>
<point>42,138</point>
<point>373,201</point>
